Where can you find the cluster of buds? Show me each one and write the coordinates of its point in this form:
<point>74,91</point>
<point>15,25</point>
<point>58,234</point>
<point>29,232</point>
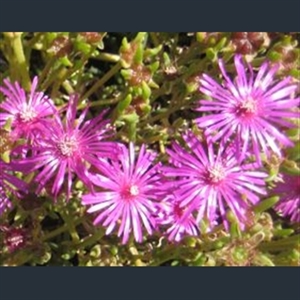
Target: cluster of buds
<point>61,46</point>
<point>92,37</point>
<point>249,42</point>
<point>287,55</point>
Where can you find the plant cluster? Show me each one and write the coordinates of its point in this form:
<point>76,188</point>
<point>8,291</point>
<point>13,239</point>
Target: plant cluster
<point>149,149</point>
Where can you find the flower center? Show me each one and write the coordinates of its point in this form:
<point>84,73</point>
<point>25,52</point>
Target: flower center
<point>247,108</point>
<point>28,114</point>
<point>67,146</point>
<point>178,211</point>
<point>130,192</point>
<point>134,190</point>
<point>216,174</point>
<point>15,239</point>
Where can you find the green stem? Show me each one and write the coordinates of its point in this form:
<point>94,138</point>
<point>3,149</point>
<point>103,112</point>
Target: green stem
<point>52,77</point>
<point>281,244</point>
<point>155,39</point>
<point>108,57</point>
<point>68,87</point>
<point>20,261</point>
<point>102,80</point>
<point>192,52</point>
<point>18,60</point>
<point>84,60</point>
<point>100,103</point>
<point>59,80</point>
<point>161,260</point>
<point>71,226</point>
<point>92,239</point>
<point>164,114</point>
<point>36,37</point>
<point>46,69</point>
<point>171,252</point>
<point>30,44</point>
<point>61,229</point>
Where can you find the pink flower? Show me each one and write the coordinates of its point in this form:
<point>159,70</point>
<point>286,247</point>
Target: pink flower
<point>250,110</point>
<point>29,113</point>
<point>14,238</point>
<point>70,148</point>
<point>9,185</point>
<point>289,192</point>
<point>179,221</point>
<point>213,181</point>
<point>131,189</point>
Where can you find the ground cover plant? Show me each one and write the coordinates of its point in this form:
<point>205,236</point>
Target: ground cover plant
<point>149,149</point>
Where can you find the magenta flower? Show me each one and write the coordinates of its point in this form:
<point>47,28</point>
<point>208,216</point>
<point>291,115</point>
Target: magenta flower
<point>289,192</point>
<point>131,190</point>
<point>29,113</point>
<point>14,238</point>
<point>9,185</point>
<point>250,110</point>
<point>213,181</point>
<point>69,148</point>
<point>180,222</point>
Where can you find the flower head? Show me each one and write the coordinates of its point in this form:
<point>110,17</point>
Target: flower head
<point>9,185</point>
<point>250,109</point>
<point>29,113</point>
<point>179,220</point>
<point>131,190</point>
<point>70,147</point>
<point>14,238</point>
<point>289,192</point>
<point>213,181</point>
